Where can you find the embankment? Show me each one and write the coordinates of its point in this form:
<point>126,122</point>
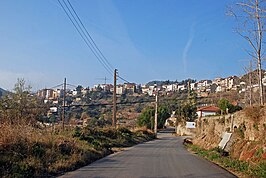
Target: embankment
<point>248,132</point>
<point>30,152</point>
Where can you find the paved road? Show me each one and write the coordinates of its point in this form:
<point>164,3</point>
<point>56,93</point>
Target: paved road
<point>162,158</point>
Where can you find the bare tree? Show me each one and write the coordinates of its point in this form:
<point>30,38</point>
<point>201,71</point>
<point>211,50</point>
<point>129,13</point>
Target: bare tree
<point>250,16</point>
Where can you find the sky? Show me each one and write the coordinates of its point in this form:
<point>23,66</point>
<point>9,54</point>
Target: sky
<point>144,39</point>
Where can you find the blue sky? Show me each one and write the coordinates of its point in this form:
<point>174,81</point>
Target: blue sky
<point>144,39</point>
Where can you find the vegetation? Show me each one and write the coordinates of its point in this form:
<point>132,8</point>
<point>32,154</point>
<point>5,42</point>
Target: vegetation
<point>26,151</point>
<point>254,113</point>
<point>249,15</point>
<point>29,149</point>
<point>168,82</point>
<point>147,117</point>
<point>20,106</point>
<point>107,138</point>
<point>186,109</point>
<point>216,155</point>
<point>226,106</point>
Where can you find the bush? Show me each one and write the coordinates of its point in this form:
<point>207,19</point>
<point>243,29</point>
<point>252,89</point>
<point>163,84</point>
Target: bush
<point>254,113</point>
<point>38,150</point>
<point>147,117</point>
<point>241,130</point>
<point>224,104</point>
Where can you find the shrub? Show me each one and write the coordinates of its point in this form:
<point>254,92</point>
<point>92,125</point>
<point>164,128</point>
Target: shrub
<point>222,120</point>
<point>255,126</point>
<point>241,130</point>
<point>224,104</point>
<point>241,166</point>
<point>259,170</point>
<point>254,113</point>
<point>38,150</point>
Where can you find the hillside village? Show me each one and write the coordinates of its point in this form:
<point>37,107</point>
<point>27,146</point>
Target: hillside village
<point>99,97</point>
<point>202,88</point>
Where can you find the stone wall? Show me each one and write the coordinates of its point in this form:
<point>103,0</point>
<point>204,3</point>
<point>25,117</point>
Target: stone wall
<point>248,135</point>
<point>181,130</point>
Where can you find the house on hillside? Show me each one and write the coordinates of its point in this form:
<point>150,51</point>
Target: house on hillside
<point>193,86</point>
<point>48,94</point>
<point>207,111</point>
<point>181,87</point>
<point>130,88</point>
<point>120,89</point>
<point>232,83</point>
<point>204,83</point>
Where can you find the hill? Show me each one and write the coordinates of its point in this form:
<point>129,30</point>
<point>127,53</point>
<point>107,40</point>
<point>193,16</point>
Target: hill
<point>2,92</point>
<point>254,76</point>
<point>168,82</point>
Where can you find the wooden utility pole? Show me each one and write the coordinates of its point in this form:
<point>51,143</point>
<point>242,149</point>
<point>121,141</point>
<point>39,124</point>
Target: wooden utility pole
<point>250,83</point>
<point>156,115</point>
<point>114,101</point>
<point>64,104</point>
<point>188,87</point>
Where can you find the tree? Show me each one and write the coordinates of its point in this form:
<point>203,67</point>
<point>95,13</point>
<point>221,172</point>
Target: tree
<point>225,106</point>
<point>78,89</point>
<point>21,106</point>
<point>186,110</point>
<point>163,114</point>
<point>250,15</point>
<point>147,117</point>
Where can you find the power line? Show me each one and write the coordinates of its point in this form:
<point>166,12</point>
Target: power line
<point>57,86</point>
<point>91,41</point>
<point>89,35</point>
<point>60,85</point>
<point>123,79</point>
<point>72,85</point>
<point>84,36</point>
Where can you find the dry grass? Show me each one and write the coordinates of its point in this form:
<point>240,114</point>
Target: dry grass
<point>11,134</point>
<point>254,113</point>
<point>26,151</point>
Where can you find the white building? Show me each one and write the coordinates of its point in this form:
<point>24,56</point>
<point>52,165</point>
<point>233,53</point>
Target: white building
<point>181,87</point>
<point>207,111</point>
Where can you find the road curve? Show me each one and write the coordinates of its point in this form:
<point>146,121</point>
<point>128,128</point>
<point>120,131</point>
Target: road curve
<point>164,157</point>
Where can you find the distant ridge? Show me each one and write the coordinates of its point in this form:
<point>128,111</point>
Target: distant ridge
<point>2,92</point>
<point>168,82</point>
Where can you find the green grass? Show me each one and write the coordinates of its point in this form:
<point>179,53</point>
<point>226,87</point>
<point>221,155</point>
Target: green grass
<point>216,155</point>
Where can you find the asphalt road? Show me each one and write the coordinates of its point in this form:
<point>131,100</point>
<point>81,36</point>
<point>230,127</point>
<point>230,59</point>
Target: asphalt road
<point>162,158</point>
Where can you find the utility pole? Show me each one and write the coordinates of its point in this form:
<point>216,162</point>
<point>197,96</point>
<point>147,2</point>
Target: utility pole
<point>64,104</point>
<point>105,80</point>
<point>250,83</point>
<point>156,114</point>
<point>114,100</point>
<point>188,87</point>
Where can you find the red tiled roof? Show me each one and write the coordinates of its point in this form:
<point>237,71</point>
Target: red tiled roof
<point>209,108</point>
<point>234,103</point>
